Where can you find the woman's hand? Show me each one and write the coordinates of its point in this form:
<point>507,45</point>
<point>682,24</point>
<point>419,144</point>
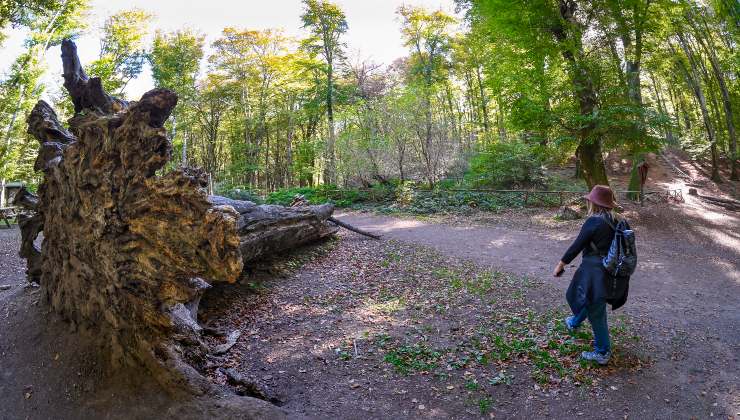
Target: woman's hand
<point>559,269</point>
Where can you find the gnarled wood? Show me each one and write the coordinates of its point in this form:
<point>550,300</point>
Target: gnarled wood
<point>124,251</point>
<point>86,93</point>
<point>31,224</point>
<point>127,253</point>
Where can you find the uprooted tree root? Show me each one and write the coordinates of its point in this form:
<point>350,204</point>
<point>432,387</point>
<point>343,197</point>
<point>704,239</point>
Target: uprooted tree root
<point>128,253</point>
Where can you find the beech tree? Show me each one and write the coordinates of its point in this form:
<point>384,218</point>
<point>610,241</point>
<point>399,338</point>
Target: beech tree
<point>175,62</point>
<point>122,50</point>
<point>47,23</point>
<point>326,23</point>
<point>510,87</point>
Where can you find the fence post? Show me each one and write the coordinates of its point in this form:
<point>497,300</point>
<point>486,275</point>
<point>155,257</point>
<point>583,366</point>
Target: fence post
<point>526,198</point>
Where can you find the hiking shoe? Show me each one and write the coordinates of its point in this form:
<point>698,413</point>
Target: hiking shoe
<point>569,324</point>
<point>593,356</point>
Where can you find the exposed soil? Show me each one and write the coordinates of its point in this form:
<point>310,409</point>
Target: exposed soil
<point>48,371</point>
<point>453,318</point>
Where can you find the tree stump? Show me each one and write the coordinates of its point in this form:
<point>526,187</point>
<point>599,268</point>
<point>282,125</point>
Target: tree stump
<point>127,253</point>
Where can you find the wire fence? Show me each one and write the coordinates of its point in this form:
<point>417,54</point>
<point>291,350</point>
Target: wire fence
<point>475,197</point>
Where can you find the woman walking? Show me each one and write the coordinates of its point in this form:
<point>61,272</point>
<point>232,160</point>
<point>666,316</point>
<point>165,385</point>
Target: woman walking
<point>587,295</point>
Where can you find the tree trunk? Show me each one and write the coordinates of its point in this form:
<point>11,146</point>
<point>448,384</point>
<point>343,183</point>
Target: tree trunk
<point>592,164</point>
<point>589,148</point>
<point>185,149</point>
<point>127,253</point>
<point>483,100</point>
<point>500,120</point>
<point>726,102</point>
<point>692,79</point>
<point>662,108</point>
<point>331,166</point>
<point>265,230</point>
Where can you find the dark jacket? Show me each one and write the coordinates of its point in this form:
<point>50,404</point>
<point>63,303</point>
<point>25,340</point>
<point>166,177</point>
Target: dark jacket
<point>591,284</point>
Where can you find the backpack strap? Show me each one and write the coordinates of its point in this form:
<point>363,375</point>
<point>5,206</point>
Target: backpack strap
<point>611,225</point>
<point>609,222</point>
<point>593,246</point>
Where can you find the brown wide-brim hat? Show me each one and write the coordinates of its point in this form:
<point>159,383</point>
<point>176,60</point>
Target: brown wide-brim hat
<point>601,195</point>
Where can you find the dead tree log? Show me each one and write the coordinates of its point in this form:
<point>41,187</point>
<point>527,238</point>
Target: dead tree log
<point>128,253</point>
<point>299,201</point>
<point>353,229</point>
<point>31,224</point>
<point>267,229</point>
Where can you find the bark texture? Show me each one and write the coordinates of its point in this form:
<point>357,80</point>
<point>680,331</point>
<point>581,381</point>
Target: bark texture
<point>267,229</point>
<point>31,224</point>
<point>111,259</point>
<point>127,253</point>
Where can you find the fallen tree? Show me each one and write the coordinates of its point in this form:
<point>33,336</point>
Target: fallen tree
<point>727,203</point>
<point>128,253</point>
<point>269,229</point>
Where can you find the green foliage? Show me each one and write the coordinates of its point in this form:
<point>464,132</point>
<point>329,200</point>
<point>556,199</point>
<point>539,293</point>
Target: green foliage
<point>47,22</point>
<point>417,357</point>
<point>318,195</point>
<point>516,86</point>
<point>30,13</point>
<point>327,23</point>
<point>511,164</point>
<point>175,60</point>
<point>427,35</point>
<point>122,50</point>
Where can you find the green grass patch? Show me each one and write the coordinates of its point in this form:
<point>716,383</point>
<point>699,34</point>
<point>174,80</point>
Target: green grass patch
<point>417,357</point>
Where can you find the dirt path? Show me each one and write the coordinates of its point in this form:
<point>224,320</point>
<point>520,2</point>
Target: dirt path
<point>686,291</point>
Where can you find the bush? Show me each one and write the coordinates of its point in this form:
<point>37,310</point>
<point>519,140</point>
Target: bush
<point>318,195</point>
<point>238,192</point>
<point>513,164</point>
<point>447,184</point>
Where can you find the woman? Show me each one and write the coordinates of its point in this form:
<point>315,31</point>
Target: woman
<point>586,295</point>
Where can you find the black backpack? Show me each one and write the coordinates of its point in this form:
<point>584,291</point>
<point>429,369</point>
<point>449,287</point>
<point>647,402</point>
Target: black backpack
<point>621,260</point>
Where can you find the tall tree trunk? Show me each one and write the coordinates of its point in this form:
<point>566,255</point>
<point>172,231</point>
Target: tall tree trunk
<point>427,141</point>
<point>330,169</point>
<point>451,109</point>
<point>589,151</point>
<point>500,119</point>
<point>692,78</point>
<point>726,101</point>
<point>675,107</point>
<point>185,149</point>
<point>661,105</point>
<point>483,100</point>
<point>289,149</point>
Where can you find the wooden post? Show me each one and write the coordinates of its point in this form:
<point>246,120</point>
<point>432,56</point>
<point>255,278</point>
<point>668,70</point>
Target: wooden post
<point>2,192</point>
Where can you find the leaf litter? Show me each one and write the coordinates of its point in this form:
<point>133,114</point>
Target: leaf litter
<point>379,324</point>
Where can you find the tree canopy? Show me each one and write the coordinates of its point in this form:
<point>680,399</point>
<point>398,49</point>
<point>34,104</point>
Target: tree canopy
<point>542,82</point>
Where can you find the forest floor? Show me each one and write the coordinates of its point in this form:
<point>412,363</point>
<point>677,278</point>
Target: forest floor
<point>447,317</point>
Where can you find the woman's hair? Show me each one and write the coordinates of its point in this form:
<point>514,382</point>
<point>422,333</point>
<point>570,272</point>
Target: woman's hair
<point>595,209</point>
